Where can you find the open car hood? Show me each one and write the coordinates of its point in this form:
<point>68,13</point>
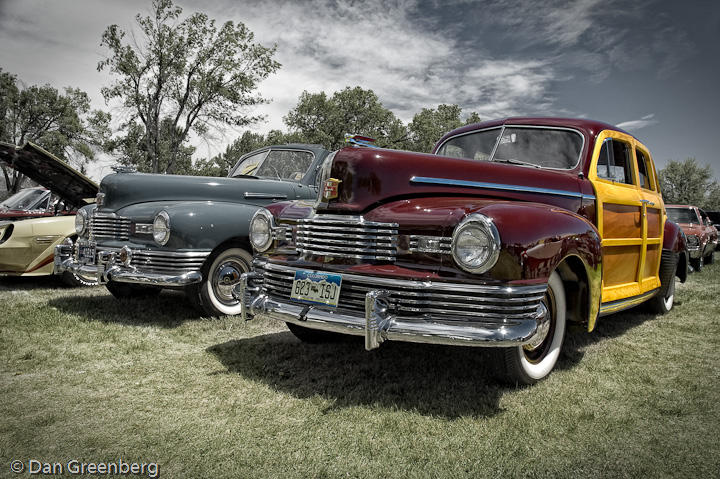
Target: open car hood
<point>49,171</point>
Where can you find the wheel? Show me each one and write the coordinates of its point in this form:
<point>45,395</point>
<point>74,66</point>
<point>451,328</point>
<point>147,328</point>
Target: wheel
<point>129,290</point>
<point>74,280</point>
<point>663,301</point>
<point>710,258</point>
<point>697,264</point>
<point>532,362</point>
<point>213,296</point>
<point>314,336</point>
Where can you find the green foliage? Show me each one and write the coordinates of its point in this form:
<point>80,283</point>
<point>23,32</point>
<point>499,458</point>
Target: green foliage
<point>325,120</point>
<point>687,182</point>
<point>428,126</point>
<point>180,76</point>
<point>62,123</point>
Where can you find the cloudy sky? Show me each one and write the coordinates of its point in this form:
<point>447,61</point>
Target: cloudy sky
<point>649,66</point>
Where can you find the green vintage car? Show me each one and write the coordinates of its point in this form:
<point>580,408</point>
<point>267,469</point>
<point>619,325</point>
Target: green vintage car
<point>148,232</point>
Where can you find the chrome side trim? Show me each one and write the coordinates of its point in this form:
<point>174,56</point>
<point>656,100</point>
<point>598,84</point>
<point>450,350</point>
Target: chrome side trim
<point>264,196</point>
<point>498,186</point>
<point>621,304</point>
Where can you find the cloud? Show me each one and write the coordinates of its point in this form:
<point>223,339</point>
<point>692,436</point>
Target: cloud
<point>634,125</point>
<point>381,45</point>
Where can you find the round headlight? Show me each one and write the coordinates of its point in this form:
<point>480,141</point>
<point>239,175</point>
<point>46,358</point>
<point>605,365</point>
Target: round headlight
<point>81,222</point>
<point>476,244</point>
<point>261,230</point>
<point>161,228</point>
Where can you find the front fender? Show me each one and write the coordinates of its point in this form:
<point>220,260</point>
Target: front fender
<point>674,241</point>
<point>538,239</point>
<point>206,225</point>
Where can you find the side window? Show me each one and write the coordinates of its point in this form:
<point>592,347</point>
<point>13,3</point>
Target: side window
<point>248,165</point>
<point>614,162</point>
<point>622,170</point>
<point>44,204</point>
<point>644,170</point>
<point>605,161</point>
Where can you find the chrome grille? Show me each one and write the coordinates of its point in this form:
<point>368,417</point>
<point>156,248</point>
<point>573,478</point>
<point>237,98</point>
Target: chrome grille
<point>110,226</point>
<point>430,244</point>
<point>418,298</point>
<point>151,261</point>
<point>347,237</point>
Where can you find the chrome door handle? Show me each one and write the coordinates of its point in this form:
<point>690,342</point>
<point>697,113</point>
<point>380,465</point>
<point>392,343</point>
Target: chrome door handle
<point>647,202</point>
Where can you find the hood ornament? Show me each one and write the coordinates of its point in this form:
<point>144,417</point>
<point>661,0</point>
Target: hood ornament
<point>123,169</point>
<point>358,140</point>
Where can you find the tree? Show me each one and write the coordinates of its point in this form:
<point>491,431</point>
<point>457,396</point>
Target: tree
<point>319,119</point>
<point>131,149</point>
<point>428,126</point>
<point>186,76</point>
<point>687,182</point>
<point>61,123</point>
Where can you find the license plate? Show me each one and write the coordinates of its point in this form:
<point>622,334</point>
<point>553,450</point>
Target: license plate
<point>86,253</point>
<point>316,288</point>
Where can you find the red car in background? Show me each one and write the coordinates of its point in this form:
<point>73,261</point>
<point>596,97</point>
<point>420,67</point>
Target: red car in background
<point>702,237</point>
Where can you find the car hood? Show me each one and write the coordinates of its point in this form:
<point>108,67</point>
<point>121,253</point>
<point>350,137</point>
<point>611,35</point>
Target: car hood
<point>692,228</point>
<point>125,189</point>
<point>49,171</point>
<point>370,176</point>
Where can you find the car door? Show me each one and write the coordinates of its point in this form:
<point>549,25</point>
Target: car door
<point>622,218</point>
<point>653,219</point>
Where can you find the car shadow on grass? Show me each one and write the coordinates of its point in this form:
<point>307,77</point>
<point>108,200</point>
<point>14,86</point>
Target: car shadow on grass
<point>436,380</point>
<point>167,310</point>
<point>30,283</point>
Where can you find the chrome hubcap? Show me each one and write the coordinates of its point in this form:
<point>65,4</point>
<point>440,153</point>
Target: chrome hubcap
<point>227,275</point>
<point>542,333</point>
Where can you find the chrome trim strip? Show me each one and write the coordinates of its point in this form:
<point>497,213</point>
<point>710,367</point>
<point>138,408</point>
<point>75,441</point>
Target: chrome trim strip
<point>498,186</point>
<point>264,196</point>
<point>621,304</point>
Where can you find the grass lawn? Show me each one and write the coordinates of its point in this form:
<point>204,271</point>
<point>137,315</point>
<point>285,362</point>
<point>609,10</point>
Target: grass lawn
<point>84,376</point>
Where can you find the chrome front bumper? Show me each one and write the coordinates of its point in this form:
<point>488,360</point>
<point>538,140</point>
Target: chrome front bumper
<point>379,323</point>
<point>110,268</point>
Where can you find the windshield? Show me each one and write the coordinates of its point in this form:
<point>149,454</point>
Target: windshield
<point>276,164</point>
<point>534,146</point>
<point>682,215</point>
<point>24,199</point>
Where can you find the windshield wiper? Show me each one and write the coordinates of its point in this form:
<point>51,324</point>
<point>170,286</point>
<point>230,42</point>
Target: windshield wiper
<point>245,176</point>
<point>513,161</point>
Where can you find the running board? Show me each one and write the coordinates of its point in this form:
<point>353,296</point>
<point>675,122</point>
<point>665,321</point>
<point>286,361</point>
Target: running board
<point>627,303</point>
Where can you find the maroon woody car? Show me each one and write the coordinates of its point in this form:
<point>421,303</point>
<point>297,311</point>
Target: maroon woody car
<point>702,237</point>
<point>512,229</point>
